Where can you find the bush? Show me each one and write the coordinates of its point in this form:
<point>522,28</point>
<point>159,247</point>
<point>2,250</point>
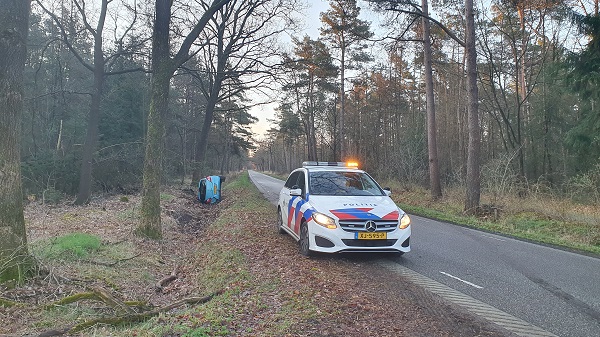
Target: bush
<point>585,187</point>
<point>51,196</point>
<point>119,168</point>
<point>50,172</point>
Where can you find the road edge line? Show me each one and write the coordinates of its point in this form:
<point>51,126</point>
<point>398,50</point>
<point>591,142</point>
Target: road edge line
<point>490,313</point>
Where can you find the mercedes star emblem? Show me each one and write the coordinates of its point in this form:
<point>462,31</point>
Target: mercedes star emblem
<point>370,226</point>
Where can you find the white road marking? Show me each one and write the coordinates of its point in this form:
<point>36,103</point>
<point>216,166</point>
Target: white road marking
<point>461,280</point>
<point>507,321</point>
<point>491,237</point>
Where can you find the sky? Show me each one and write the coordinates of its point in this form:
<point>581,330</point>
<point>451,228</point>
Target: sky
<point>311,16</point>
<point>312,23</point>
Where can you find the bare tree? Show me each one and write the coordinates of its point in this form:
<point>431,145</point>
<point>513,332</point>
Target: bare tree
<point>163,68</point>
<point>98,67</point>
<point>409,8</point>
<point>14,258</point>
<point>241,53</point>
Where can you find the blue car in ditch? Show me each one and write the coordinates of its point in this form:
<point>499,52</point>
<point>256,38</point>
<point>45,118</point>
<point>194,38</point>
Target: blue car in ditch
<point>209,189</point>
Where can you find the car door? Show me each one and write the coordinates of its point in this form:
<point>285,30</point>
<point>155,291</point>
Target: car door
<point>297,202</point>
<point>285,197</point>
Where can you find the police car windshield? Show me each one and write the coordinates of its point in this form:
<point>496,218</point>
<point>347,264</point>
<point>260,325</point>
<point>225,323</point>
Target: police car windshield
<point>340,183</point>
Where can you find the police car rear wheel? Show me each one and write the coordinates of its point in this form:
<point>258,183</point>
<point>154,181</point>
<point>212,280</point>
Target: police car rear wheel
<point>304,241</point>
<point>279,222</point>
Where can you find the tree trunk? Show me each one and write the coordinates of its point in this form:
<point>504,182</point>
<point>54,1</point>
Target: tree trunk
<point>311,132</point>
<point>14,257</point>
<point>150,224</point>
<point>342,146</point>
<point>473,152</point>
<point>219,76</point>
<point>91,139</point>
<point>208,119</point>
<point>434,171</point>
<point>522,107</point>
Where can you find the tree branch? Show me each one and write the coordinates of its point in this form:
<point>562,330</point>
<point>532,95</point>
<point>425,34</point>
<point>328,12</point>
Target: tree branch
<point>66,37</point>
<point>182,54</point>
<point>393,6</point>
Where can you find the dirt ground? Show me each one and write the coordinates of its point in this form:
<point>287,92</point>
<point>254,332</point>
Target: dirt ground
<point>347,294</point>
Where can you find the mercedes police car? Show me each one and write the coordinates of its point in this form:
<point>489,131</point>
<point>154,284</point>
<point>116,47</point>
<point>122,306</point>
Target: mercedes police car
<point>335,207</point>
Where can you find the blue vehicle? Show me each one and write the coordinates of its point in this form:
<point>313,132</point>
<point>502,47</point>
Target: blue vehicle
<point>209,189</point>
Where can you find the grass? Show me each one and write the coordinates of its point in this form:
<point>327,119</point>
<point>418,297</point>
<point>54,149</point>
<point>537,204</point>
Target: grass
<point>129,214</point>
<point>536,217</point>
<point>166,197</point>
<point>222,265</point>
<point>77,245</point>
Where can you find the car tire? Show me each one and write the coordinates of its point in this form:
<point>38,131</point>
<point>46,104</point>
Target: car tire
<point>280,229</point>
<point>304,243</point>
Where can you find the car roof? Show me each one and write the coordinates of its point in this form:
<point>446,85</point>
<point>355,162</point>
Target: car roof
<point>331,168</point>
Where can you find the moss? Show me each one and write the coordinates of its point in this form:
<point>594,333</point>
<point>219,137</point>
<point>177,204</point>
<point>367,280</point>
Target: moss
<point>166,197</point>
<point>4,302</point>
<point>15,262</point>
<point>74,244</point>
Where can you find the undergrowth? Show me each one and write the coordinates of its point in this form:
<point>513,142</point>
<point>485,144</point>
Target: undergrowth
<point>536,216</point>
<point>222,265</point>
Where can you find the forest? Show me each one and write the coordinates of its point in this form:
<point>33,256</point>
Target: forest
<point>125,95</point>
<point>536,81</point>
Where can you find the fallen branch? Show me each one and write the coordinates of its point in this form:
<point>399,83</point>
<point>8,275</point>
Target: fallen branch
<point>97,294</point>
<point>72,299</point>
<point>139,305</point>
<point>133,318</point>
<point>165,281</point>
<point>5,302</point>
<point>109,299</point>
<point>51,333</point>
<point>111,264</point>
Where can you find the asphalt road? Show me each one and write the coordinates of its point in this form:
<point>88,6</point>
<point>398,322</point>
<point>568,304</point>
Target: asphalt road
<point>556,290</point>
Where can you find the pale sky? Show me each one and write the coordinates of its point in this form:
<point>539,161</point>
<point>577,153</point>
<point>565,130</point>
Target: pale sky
<point>312,23</point>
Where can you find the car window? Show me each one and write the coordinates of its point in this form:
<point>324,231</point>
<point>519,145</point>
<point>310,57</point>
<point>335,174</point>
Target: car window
<point>292,179</point>
<point>342,183</point>
<point>301,182</point>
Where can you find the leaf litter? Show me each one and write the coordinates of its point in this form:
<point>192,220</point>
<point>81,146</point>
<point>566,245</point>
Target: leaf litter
<point>283,293</point>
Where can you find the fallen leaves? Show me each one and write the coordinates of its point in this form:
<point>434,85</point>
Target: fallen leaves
<point>270,289</point>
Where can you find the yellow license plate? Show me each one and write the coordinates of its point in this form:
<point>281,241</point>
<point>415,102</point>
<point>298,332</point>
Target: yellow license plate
<point>370,235</point>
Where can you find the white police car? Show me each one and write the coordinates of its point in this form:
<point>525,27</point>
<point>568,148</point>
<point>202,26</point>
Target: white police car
<point>335,207</point>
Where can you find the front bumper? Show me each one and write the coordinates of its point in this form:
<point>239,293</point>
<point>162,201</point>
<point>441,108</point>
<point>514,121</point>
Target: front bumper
<point>337,240</point>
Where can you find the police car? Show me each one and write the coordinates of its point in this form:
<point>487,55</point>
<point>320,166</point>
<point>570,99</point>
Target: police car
<point>335,207</point>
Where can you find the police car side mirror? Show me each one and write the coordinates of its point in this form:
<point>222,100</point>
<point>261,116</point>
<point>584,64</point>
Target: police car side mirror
<point>387,191</point>
<point>296,192</point>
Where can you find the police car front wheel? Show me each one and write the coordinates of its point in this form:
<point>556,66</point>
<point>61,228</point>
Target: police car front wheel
<point>304,242</point>
<point>280,229</point>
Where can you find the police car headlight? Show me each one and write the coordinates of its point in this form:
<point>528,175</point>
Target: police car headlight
<point>404,221</point>
<point>324,220</point>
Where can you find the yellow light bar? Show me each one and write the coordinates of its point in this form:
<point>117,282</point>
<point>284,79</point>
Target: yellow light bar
<point>352,164</point>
